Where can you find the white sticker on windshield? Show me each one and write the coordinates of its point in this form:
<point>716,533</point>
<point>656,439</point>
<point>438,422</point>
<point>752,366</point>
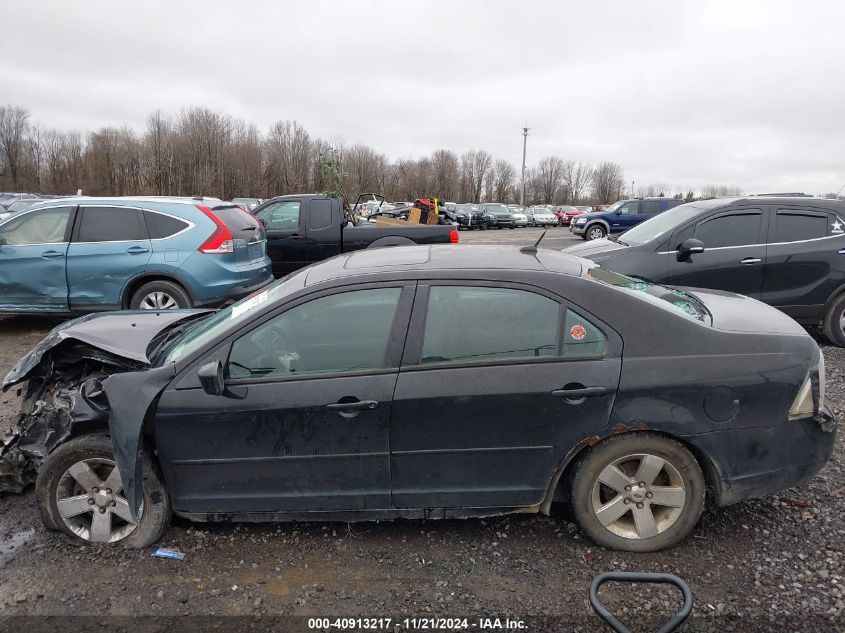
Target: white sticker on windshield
<point>248,304</point>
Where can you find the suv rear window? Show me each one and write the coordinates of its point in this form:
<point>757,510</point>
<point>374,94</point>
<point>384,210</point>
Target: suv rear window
<point>242,225</point>
<point>794,226</point>
<point>666,298</point>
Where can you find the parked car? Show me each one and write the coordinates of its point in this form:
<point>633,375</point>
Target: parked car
<point>540,216</point>
<point>466,216</point>
<point>498,213</point>
<point>351,391</point>
<point>248,204</point>
<point>520,219</point>
<point>620,217</point>
<point>303,229</point>
<point>72,255</point>
<point>8,198</point>
<point>19,205</point>
<point>565,213</point>
<point>585,209</point>
<point>786,252</point>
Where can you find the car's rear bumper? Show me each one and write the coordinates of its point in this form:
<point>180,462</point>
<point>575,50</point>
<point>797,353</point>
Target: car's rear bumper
<point>753,463</point>
<point>234,293</point>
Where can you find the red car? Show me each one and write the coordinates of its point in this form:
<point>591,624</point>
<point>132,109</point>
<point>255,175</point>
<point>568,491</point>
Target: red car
<point>565,213</point>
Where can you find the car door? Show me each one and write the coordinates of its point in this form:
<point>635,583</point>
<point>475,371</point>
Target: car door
<point>285,234</point>
<point>110,246</point>
<point>33,255</point>
<point>625,217</point>
<point>304,423</point>
<point>804,266</point>
<point>734,252</point>
<point>498,382</point>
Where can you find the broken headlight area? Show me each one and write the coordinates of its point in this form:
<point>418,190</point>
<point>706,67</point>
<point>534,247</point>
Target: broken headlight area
<point>63,396</point>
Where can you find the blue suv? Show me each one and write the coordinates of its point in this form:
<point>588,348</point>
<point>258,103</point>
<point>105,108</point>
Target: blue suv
<point>620,216</point>
<point>89,254</point>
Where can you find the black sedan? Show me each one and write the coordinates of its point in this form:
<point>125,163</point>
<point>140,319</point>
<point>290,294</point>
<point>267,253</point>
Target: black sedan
<point>403,382</point>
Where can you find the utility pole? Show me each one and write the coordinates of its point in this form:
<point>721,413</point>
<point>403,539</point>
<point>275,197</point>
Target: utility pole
<point>632,188</point>
<point>524,146</point>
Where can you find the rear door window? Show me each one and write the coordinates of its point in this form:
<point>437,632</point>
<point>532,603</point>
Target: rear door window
<point>319,214</point>
<point>48,226</point>
<point>160,226</point>
<point>740,228</point>
<point>651,207</point>
<point>479,324</point>
<point>795,226</point>
<point>111,224</point>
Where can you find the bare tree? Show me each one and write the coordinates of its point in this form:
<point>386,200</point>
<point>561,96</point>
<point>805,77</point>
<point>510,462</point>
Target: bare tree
<point>608,182</point>
<point>548,178</point>
<point>475,167</point>
<point>14,122</point>
<point>503,179</point>
<point>445,174</point>
<point>577,178</point>
<point>289,158</point>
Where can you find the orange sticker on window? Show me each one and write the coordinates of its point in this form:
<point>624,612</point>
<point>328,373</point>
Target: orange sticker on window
<point>577,332</point>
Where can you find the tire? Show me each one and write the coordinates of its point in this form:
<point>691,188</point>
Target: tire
<point>160,295</point>
<point>55,482</point>
<point>594,232</point>
<point>834,321</point>
<point>680,471</point>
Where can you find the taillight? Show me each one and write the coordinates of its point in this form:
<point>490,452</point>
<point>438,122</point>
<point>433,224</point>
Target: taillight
<point>219,242</point>
<point>454,236</point>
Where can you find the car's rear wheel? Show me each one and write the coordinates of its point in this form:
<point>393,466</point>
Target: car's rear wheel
<point>80,494</point>
<point>160,295</point>
<point>594,232</point>
<point>834,321</point>
<point>639,492</point>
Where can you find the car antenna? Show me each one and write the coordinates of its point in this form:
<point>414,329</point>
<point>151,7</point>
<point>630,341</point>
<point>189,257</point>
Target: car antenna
<point>533,247</point>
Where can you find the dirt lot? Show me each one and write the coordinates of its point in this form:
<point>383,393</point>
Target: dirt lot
<point>770,564</point>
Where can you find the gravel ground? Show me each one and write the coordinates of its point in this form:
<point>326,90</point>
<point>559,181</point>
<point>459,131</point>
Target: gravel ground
<point>769,564</point>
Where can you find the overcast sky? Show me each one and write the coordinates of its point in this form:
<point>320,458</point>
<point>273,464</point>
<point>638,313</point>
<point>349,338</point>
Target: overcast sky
<point>685,93</point>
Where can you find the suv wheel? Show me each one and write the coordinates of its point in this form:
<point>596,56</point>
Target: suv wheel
<point>80,493</point>
<point>160,295</point>
<point>594,232</point>
<point>834,321</point>
<point>638,492</point>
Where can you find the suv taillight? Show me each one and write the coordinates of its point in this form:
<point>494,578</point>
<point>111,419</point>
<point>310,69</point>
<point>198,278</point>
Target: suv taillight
<point>219,242</point>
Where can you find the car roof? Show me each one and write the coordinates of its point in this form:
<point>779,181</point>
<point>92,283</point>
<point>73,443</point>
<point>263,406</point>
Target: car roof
<point>438,258</point>
<point>793,201</point>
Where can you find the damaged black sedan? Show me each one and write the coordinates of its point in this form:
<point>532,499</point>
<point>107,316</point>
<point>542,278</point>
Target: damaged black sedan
<point>407,382</point>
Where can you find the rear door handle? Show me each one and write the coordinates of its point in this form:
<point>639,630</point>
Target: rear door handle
<point>580,392</point>
<point>137,250</point>
<point>358,405</point>
<point>51,254</point>
<point>750,260</point>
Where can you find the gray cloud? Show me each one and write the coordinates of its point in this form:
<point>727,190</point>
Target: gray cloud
<point>743,93</point>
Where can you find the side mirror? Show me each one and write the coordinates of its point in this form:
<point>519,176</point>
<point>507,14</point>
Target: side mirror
<point>689,247</point>
<point>211,378</point>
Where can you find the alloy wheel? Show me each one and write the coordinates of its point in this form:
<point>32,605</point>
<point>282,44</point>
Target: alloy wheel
<point>639,496</point>
<point>90,501</point>
<point>596,233</point>
<point>158,301</point>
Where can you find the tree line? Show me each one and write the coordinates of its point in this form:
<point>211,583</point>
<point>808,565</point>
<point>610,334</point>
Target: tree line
<point>202,152</point>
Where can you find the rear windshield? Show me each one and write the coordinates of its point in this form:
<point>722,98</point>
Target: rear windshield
<point>242,225</point>
<point>662,296</point>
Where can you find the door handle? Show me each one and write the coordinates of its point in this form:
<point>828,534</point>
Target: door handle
<point>358,405</point>
<point>750,260</point>
<point>579,392</point>
<point>51,254</point>
<point>137,250</point>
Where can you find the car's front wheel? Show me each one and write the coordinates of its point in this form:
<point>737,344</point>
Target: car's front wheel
<point>595,232</point>
<point>80,493</point>
<point>639,492</point>
<point>160,295</point>
<point>834,322</point>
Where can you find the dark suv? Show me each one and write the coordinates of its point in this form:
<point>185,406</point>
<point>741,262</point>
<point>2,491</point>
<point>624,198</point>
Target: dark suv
<point>788,252</point>
<point>496,212</point>
<point>619,217</point>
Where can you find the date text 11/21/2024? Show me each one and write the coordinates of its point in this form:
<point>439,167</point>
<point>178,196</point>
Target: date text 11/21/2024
<point>420,623</point>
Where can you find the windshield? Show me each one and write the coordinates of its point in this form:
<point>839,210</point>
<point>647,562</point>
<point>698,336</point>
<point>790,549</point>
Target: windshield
<point>662,296</point>
<point>205,331</point>
<point>660,224</point>
<point>613,207</point>
<point>497,208</point>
